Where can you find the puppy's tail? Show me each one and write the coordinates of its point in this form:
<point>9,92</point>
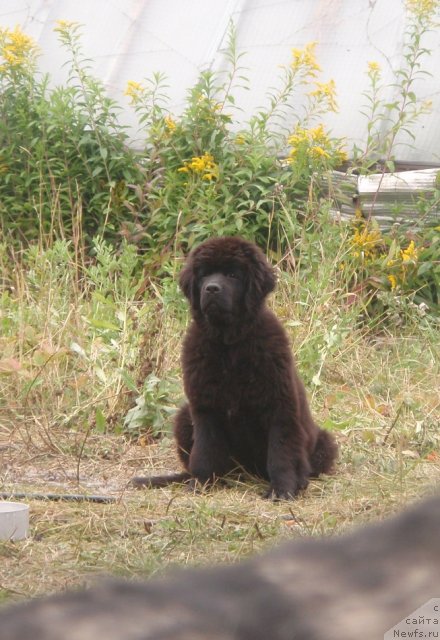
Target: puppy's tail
<point>154,482</point>
<point>324,454</point>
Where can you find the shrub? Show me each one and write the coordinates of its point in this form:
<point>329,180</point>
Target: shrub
<point>64,159</point>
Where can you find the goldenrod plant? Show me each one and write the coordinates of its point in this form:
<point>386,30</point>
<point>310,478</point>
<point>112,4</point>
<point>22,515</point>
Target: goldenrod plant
<point>389,122</point>
<point>404,261</point>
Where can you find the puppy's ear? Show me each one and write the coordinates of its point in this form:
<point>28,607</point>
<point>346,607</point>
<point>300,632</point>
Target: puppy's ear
<point>186,280</point>
<point>261,281</point>
<point>265,276</point>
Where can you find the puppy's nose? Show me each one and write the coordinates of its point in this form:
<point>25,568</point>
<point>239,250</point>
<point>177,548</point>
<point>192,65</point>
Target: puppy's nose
<point>212,287</point>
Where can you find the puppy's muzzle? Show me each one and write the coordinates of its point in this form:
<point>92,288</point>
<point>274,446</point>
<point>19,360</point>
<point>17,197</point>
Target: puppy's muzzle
<point>213,286</point>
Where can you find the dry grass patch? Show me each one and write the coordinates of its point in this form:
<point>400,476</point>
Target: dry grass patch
<point>144,532</point>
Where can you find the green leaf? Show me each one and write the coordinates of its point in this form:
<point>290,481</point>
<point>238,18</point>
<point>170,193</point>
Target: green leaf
<point>424,267</point>
<point>99,323</point>
<point>335,425</point>
<point>390,166</point>
<point>100,421</point>
<point>128,381</point>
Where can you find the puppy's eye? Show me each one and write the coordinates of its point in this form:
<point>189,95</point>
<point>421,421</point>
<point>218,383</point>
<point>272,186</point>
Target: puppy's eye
<point>232,274</point>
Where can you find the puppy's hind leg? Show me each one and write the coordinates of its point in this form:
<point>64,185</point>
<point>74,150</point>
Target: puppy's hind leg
<point>184,434</point>
<point>324,454</point>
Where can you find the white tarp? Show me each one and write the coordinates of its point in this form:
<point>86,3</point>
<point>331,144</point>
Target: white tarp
<point>130,39</point>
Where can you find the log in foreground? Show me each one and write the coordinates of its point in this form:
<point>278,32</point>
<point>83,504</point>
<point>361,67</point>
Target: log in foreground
<point>340,588</point>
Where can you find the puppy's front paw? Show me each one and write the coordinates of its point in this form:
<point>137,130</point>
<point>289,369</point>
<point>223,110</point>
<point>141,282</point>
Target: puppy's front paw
<point>276,494</point>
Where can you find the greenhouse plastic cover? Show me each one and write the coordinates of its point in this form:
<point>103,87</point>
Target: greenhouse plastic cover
<point>130,39</point>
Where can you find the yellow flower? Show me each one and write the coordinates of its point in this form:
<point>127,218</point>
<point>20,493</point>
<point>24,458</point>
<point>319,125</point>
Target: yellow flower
<point>240,139</point>
<point>341,156</point>
<point>366,240</point>
<point>16,48</point>
<point>427,105</point>
<point>316,135</point>
<point>410,254</point>
<point>200,163</point>
<point>393,281</point>
<point>64,25</point>
<point>305,60</point>
<point>297,138</point>
<point>170,124</point>
<point>319,135</point>
<point>315,143</point>
<point>197,164</point>
<point>319,152</point>
<point>422,8</point>
<point>203,165</point>
<point>373,66</point>
<point>326,92</point>
<point>134,91</point>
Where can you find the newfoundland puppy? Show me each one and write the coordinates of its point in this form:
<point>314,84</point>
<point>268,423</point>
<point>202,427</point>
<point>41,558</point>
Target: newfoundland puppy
<point>247,407</point>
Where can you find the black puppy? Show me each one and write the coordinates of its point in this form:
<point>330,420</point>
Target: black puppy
<point>247,407</point>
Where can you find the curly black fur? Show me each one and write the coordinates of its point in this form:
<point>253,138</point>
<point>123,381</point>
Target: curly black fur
<point>247,406</point>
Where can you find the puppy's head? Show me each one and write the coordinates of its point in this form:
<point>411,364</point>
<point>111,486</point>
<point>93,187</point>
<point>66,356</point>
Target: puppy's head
<point>226,280</point>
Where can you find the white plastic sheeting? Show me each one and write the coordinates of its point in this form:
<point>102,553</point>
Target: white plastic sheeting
<point>130,39</point>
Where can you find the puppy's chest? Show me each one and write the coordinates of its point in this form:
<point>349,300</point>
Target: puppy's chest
<point>233,373</point>
<point>235,379</point>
